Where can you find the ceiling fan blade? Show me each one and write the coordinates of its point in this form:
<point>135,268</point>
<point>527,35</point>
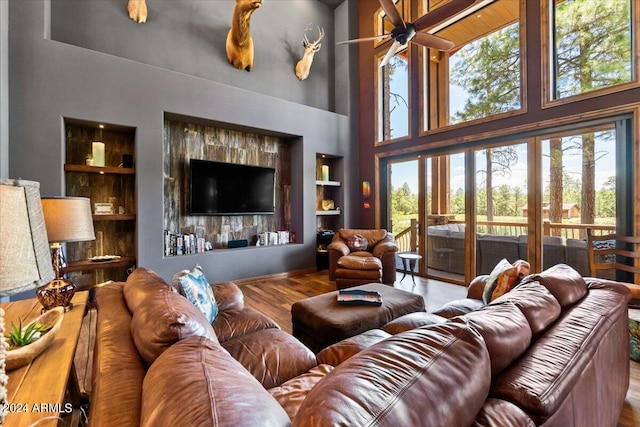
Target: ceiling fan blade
<point>364,39</point>
<point>395,47</point>
<point>441,13</point>
<point>392,13</point>
<point>435,42</point>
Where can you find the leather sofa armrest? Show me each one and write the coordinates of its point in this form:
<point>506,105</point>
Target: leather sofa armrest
<point>476,287</point>
<point>228,296</point>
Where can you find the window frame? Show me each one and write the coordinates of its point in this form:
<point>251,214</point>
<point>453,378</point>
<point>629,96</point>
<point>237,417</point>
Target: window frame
<point>548,52</point>
<point>438,119</point>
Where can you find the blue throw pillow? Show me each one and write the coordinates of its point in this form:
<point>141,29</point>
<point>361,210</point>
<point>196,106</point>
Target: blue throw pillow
<point>195,287</point>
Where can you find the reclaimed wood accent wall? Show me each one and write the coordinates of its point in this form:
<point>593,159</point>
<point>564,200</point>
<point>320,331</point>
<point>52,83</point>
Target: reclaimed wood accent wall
<point>185,141</point>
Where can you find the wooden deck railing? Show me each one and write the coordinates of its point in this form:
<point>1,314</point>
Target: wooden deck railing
<point>407,239</point>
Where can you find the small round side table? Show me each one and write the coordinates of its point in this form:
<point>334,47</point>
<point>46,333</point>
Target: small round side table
<point>412,258</point>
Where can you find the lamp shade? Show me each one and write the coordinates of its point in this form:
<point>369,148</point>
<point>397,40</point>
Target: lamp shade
<point>68,219</point>
<point>25,260</point>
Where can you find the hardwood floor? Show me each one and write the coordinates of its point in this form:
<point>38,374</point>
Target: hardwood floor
<point>274,297</point>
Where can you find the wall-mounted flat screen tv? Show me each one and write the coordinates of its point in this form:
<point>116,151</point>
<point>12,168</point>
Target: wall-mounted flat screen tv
<point>217,188</point>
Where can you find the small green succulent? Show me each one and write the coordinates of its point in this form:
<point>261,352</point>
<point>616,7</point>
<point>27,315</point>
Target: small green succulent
<point>20,337</point>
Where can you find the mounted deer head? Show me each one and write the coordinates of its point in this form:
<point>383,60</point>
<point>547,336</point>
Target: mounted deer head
<point>239,41</point>
<point>310,48</point>
<point>137,10</point>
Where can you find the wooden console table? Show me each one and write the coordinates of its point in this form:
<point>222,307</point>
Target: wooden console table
<point>36,392</point>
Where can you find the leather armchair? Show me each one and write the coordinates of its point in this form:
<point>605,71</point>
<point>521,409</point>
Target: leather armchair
<point>380,244</point>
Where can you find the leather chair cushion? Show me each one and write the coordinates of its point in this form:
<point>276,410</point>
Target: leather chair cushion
<point>505,331</point>
<point>271,356</point>
<point>237,322</point>
<point>412,321</point>
<point>140,284</point>
<point>564,283</point>
<point>292,393</point>
<point>441,370</point>
<point>163,319</point>
<point>339,352</point>
<point>359,262</point>
<point>197,383</point>
<point>372,236</point>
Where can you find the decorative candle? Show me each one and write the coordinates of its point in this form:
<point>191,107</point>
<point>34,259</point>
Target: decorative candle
<point>325,172</point>
<point>97,149</point>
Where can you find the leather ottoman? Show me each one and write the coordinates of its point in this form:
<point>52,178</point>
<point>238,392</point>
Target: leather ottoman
<point>358,270</point>
<point>320,321</point>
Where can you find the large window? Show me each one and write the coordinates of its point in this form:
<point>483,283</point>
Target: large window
<point>393,102</point>
<point>482,75</point>
<point>501,205</point>
<point>591,45</point>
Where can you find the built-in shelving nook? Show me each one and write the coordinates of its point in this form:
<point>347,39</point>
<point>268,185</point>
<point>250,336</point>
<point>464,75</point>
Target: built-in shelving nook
<point>191,138</point>
<point>110,184</point>
<point>329,192</point>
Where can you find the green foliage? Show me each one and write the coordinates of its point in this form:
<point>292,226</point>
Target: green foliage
<point>592,45</point>
<point>403,201</point>
<point>20,337</point>
<point>496,55</point>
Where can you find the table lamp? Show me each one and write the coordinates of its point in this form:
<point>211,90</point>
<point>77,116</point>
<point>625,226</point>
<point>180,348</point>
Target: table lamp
<point>25,261</point>
<point>68,219</point>
<point>24,251</point>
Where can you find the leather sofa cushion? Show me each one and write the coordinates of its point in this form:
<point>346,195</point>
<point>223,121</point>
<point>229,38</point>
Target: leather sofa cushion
<point>497,412</point>
<point>163,319</point>
<point>228,296</point>
<point>372,236</point>
<point>543,377</point>
<point>459,307</point>
<point>505,331</point>
<point>237,322</point>
<point>292,393</point>
<point>140,284</point>
<point>412,321</point>
<point>360,262</point>
<point>196,383</point>
<point>271,356</point>
<point>441,370</point>
<point>564,283</point>
<point>339,352</point>
<point>115,356</point>
<point>536,303</point>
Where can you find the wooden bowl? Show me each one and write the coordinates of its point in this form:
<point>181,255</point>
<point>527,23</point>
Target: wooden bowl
<point>22,356</point>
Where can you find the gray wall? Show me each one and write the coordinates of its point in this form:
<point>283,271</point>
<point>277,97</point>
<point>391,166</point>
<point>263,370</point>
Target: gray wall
<point>189,37</point>
<point>4,89</point>
<point>50,80</point>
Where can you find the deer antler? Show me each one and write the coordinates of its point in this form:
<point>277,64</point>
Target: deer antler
<point>310,48</point>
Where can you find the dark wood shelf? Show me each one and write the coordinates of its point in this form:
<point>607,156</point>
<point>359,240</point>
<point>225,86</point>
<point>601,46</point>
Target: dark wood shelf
<point>99,169</point>
<point>114,217</point>
<point>87,264</point>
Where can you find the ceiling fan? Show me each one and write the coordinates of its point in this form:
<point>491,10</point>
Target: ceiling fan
<point>405,32</point>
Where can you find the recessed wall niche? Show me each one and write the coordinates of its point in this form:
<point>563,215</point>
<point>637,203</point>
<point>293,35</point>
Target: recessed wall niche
<point>184,141</point>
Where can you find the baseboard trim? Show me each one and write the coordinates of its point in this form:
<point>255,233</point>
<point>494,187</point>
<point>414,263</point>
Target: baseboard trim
<point>283,275</point>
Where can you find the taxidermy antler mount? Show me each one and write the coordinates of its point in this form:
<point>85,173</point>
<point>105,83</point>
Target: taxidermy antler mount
<point>239,41</point>
<point>405,32</point>
<point>310,48</point>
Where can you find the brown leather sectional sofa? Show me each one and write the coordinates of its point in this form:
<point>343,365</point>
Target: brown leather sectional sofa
<point>553,352</point>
